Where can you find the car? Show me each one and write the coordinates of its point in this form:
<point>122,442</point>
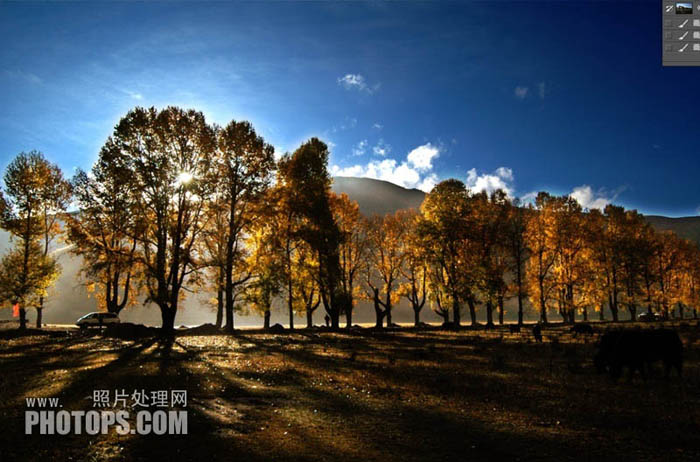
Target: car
<point>646,316</point>
<point>97,319</point>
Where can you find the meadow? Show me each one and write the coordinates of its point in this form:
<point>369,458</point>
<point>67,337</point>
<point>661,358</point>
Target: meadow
<point>393,395</point>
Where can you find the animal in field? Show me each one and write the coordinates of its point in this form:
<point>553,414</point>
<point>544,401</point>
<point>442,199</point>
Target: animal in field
<point>582,328</point>
<point>537,332</point>
<point>637,350</point>
<point>514,328</point>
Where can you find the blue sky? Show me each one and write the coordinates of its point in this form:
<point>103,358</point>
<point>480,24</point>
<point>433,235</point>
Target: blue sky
<point>563,96</point>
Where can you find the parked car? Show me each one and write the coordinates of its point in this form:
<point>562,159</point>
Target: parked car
<point>97,320</point>
<point>646,316</point>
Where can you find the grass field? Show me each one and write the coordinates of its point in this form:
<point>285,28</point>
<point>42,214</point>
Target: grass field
<point>364,395</point>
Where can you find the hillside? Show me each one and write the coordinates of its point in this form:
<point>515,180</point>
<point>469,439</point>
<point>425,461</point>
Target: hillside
<point>377,197</point>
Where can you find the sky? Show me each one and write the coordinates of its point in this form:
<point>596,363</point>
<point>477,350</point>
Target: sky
<point>568,97</point>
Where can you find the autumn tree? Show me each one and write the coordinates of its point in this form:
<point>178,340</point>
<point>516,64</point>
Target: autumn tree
<point>242,168</point>
<point>28,286</point>
<point>103,232</point>
<point>307,182</point>
<point>169,155</point>
<point>490,215</point>
<point>514,236</point>
<point>539,274</point>
<point>36,197</point>
<point>353,248</point>
<point>266,269</point>
<point>414,271</point>
<point>446,233</point>
<point>385,236</point>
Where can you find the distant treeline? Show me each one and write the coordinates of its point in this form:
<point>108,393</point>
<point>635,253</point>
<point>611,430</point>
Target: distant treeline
<point>174,205</point>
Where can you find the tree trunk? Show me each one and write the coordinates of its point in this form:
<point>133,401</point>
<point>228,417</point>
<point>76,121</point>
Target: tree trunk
<point>168,317</point>
<point>456,318</point>
<point>348,317</point>
<point>501,310</point>
<point>379,313</point>
<point>520,309</point>
<point>489,314</point>
<point>680,310</point>
<point>472,311</point>
<point>601,313</point>
<point>416,316</point>
<point>633,312</point>
<point>585,313</point>
<point>219,307</point>
<point>22,318</point>
<point>39,310</point>
<point>229,318</point>
<point>309,318</point>
<point>266,322</point>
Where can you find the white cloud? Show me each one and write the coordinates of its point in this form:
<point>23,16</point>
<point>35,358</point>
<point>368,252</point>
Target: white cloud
<point>133,94</point>
<point>360,148</point>
<point>428,183</point>
<point>521,92</point>
<point>357,82</point>
<point>589,199</point>
<point>542,90</point>
<point>22,75</point>
<point>411,173</point>
<point>377,126</point>
<point>381,148</point>
<point>422,157</point>
<point>501,178</point>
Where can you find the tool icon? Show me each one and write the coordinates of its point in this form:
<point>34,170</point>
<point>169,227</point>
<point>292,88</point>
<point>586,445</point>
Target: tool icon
<point>685,34</point>
<point>669,8</point>
<point>696,46</point>
<point>683,48</point>
<point>683,24</point>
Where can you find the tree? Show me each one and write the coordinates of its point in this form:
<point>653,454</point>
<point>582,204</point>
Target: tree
<point>490,218</point>
<point>386,256</point>
<point>242,165</point>
<point>36,198</point>
<point>353,247</point>
<point>103,233</point>
<point>446,233</point>
<point>414,271</point>
<point>168,154</point>
<point>516,225</point>
<point>541,284</point>
<point>26,287</point>
<point>307,182</point>
<point>266,269</point>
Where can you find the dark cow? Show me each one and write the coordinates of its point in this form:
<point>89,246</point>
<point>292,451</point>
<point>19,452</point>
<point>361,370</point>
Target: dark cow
<point>637,350</point>
<point>582,328</point>
<point>537,332</point>
<point>514,328</point>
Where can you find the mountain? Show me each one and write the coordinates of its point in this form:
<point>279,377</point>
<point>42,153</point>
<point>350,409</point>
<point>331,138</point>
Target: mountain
<point>685,227</point>
<point>377,197</point>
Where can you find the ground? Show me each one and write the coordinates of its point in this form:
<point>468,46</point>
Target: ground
<point>392,396</point>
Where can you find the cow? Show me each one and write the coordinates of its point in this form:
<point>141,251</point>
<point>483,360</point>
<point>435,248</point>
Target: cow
<point>537,332</point>
<point>637,350</point>
<point>514,328</point>
<point>582,328</point>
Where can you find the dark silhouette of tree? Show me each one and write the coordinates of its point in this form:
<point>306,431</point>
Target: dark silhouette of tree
<point>103,232</point>
<point>307,184</point>
<point>169,154</point>
<point>242,170</point>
